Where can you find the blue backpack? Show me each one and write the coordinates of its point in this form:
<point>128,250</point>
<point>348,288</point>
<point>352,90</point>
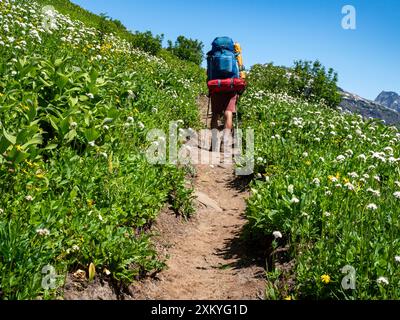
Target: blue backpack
<point>221,60</point>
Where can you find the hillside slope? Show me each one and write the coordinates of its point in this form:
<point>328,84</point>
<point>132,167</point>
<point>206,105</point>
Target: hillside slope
<point>76,105</point>
<point>326,196</point>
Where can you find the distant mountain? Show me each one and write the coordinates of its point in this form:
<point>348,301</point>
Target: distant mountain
<point>389,99</point>
<point>369,109</point>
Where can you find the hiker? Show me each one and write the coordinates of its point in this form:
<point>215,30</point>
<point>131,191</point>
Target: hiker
<point>225,79</point>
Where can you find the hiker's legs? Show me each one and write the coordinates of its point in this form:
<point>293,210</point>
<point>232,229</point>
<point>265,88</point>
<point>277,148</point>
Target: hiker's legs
<point>228,120</point>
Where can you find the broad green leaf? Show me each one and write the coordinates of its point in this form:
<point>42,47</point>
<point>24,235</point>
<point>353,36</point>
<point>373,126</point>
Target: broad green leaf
<point>34,141</point>
<point>51,146</point>
<point>91,134</point>
<point>12,139</point>
<point>71,135</point>
<point>17,156</point>
<point>58,62</point>
<point>4,144</point>
<point>73,101</point>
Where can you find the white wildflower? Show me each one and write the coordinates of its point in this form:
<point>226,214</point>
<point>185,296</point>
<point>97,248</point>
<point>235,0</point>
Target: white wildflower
<point>28,198</point>
<point>388,150</point>
<point>333,179</point>
<point>376,193</point>
<point>104,155</point>
<point>372,207</point>
<point>349,186</point>
<point>92,143</point>
<point>362,157</point>
<point>382,280</point>
<point>317,182</point>
<point>397,194</point>
<point>43,232</point>
<point>295,200</point>
<point>353,175</point>
<point>277,234</point>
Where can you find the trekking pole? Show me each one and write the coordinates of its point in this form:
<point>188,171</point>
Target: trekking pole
<point>237,114</point>
<point>208,110</point>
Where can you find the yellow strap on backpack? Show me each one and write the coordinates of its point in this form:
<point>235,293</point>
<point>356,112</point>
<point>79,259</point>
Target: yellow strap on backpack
<point>239,58</point>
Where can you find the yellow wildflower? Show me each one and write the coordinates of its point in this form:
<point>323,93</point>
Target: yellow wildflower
<point>90,203</point>
<point>19,147</point>
<point>325,278</point>
<point>288,298</point>
<point>30,164</point>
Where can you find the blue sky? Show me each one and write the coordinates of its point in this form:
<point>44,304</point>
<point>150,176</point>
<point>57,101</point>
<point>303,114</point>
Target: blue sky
<point>281,31</point>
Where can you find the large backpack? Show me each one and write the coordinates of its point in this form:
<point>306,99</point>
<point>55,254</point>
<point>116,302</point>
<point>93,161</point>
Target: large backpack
<point>221,60</point>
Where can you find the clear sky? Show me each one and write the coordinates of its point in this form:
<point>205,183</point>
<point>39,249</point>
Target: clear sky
<point>281,31</point>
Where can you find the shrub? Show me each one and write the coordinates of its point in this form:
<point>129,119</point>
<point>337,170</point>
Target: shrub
<point>306,80</point>
<point>187,49</point>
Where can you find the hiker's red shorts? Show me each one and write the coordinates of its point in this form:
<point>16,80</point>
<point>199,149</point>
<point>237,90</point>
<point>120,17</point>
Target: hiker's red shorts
<point>223,101</point>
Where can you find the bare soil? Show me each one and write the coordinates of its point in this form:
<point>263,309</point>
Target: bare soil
<point>207,256</point>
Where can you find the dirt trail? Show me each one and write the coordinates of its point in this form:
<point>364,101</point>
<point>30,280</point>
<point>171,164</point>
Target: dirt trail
<point>207,258</point>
